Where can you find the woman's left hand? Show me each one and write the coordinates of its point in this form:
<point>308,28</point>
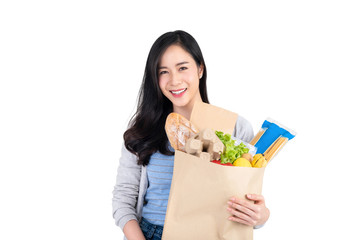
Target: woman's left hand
<point>248,213</point>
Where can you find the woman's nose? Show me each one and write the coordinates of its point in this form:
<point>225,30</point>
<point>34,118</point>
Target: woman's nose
<point>176,79</point>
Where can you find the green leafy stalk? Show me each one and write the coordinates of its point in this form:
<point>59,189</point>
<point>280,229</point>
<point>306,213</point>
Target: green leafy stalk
<point>231,151</point>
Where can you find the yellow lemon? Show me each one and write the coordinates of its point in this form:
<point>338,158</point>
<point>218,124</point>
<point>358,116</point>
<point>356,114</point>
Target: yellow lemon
<point>259,161</point>
<point>242,162</point>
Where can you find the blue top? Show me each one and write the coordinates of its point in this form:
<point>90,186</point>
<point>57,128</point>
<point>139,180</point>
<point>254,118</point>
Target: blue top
<point>159,174</point>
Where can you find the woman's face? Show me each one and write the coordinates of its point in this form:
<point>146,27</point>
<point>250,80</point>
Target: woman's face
<point>179,77</point>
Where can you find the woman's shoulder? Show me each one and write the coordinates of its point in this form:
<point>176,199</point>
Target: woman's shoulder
<point>128,159</point>
<point>243,129</point>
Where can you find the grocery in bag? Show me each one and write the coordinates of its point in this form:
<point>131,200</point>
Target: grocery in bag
<point>200,188</point>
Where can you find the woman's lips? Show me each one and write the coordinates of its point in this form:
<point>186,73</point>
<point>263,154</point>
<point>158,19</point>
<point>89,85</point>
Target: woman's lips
<point>179,92</point>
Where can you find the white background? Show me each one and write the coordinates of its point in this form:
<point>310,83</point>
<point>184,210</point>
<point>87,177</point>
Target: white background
<point>70,73</point>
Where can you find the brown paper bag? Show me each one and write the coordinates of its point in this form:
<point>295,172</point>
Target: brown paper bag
<point>200,190</point>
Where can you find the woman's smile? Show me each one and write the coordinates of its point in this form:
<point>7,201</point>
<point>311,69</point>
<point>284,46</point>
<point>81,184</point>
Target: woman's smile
<point>179,92</point>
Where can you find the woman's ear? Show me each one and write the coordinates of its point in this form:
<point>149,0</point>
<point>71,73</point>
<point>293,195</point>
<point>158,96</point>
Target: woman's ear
<point>200,71</point>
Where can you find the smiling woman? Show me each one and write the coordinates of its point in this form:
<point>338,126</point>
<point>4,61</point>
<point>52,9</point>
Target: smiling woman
<point>174,79</point>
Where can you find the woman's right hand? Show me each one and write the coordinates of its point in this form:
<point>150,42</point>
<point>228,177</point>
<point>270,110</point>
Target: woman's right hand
<point>133,231</point>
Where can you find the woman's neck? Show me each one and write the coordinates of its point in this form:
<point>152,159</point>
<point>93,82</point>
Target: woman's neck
<point>186,111</point>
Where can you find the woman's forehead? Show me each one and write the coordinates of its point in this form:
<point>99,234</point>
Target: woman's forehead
<point>174,55</point>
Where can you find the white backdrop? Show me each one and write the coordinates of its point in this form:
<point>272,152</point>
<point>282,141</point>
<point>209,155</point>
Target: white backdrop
<point>70,73</point>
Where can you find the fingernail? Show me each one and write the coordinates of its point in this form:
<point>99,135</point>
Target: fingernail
<point>249,195</point>
<point>229,203</point>
<point>232,199</point>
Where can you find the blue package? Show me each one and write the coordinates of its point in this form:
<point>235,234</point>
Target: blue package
<point>273,130</point>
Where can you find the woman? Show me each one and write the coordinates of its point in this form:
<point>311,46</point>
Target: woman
<point>174,79</point>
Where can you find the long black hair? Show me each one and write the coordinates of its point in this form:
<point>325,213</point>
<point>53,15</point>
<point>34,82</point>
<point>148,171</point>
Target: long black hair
<point>146,133</point>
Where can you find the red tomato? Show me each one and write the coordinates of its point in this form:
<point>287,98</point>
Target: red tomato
<point>219,162</point>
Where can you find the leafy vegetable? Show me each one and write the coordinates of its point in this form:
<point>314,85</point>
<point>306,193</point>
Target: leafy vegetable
<point>231,151</point>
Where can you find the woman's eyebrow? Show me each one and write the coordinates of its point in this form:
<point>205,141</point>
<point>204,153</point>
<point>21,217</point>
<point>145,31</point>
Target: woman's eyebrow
<point>162,67</point>
<point>181,63</point>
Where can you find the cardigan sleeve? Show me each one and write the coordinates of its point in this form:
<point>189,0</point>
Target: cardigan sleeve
<point>243,129</point>
<point>126,190</point>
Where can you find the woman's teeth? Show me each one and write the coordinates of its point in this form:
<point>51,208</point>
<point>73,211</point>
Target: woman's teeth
<point>178,92</point>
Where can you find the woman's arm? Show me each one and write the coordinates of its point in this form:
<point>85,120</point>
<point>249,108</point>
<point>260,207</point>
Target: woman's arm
<point>133,231</point>
<point>253,214</point>
<point>126,190</point>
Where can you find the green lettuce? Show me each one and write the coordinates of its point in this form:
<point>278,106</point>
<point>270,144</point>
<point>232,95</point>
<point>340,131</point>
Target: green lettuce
<point>231,151</point>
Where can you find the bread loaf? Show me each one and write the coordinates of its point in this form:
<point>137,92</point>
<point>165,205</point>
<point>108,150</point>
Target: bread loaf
<point>178,130</point>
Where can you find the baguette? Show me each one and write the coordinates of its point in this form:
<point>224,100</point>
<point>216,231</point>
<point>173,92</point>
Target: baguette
<point>178,130</point>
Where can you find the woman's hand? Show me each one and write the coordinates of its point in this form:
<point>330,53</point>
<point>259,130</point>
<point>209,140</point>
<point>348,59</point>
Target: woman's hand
<point>248,213</point>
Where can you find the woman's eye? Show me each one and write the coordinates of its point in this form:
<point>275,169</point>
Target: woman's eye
<point>183,68</point>
<point>163,72</point>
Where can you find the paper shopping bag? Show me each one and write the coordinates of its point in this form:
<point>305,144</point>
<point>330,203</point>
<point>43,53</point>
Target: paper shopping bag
<point>200,189</point>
